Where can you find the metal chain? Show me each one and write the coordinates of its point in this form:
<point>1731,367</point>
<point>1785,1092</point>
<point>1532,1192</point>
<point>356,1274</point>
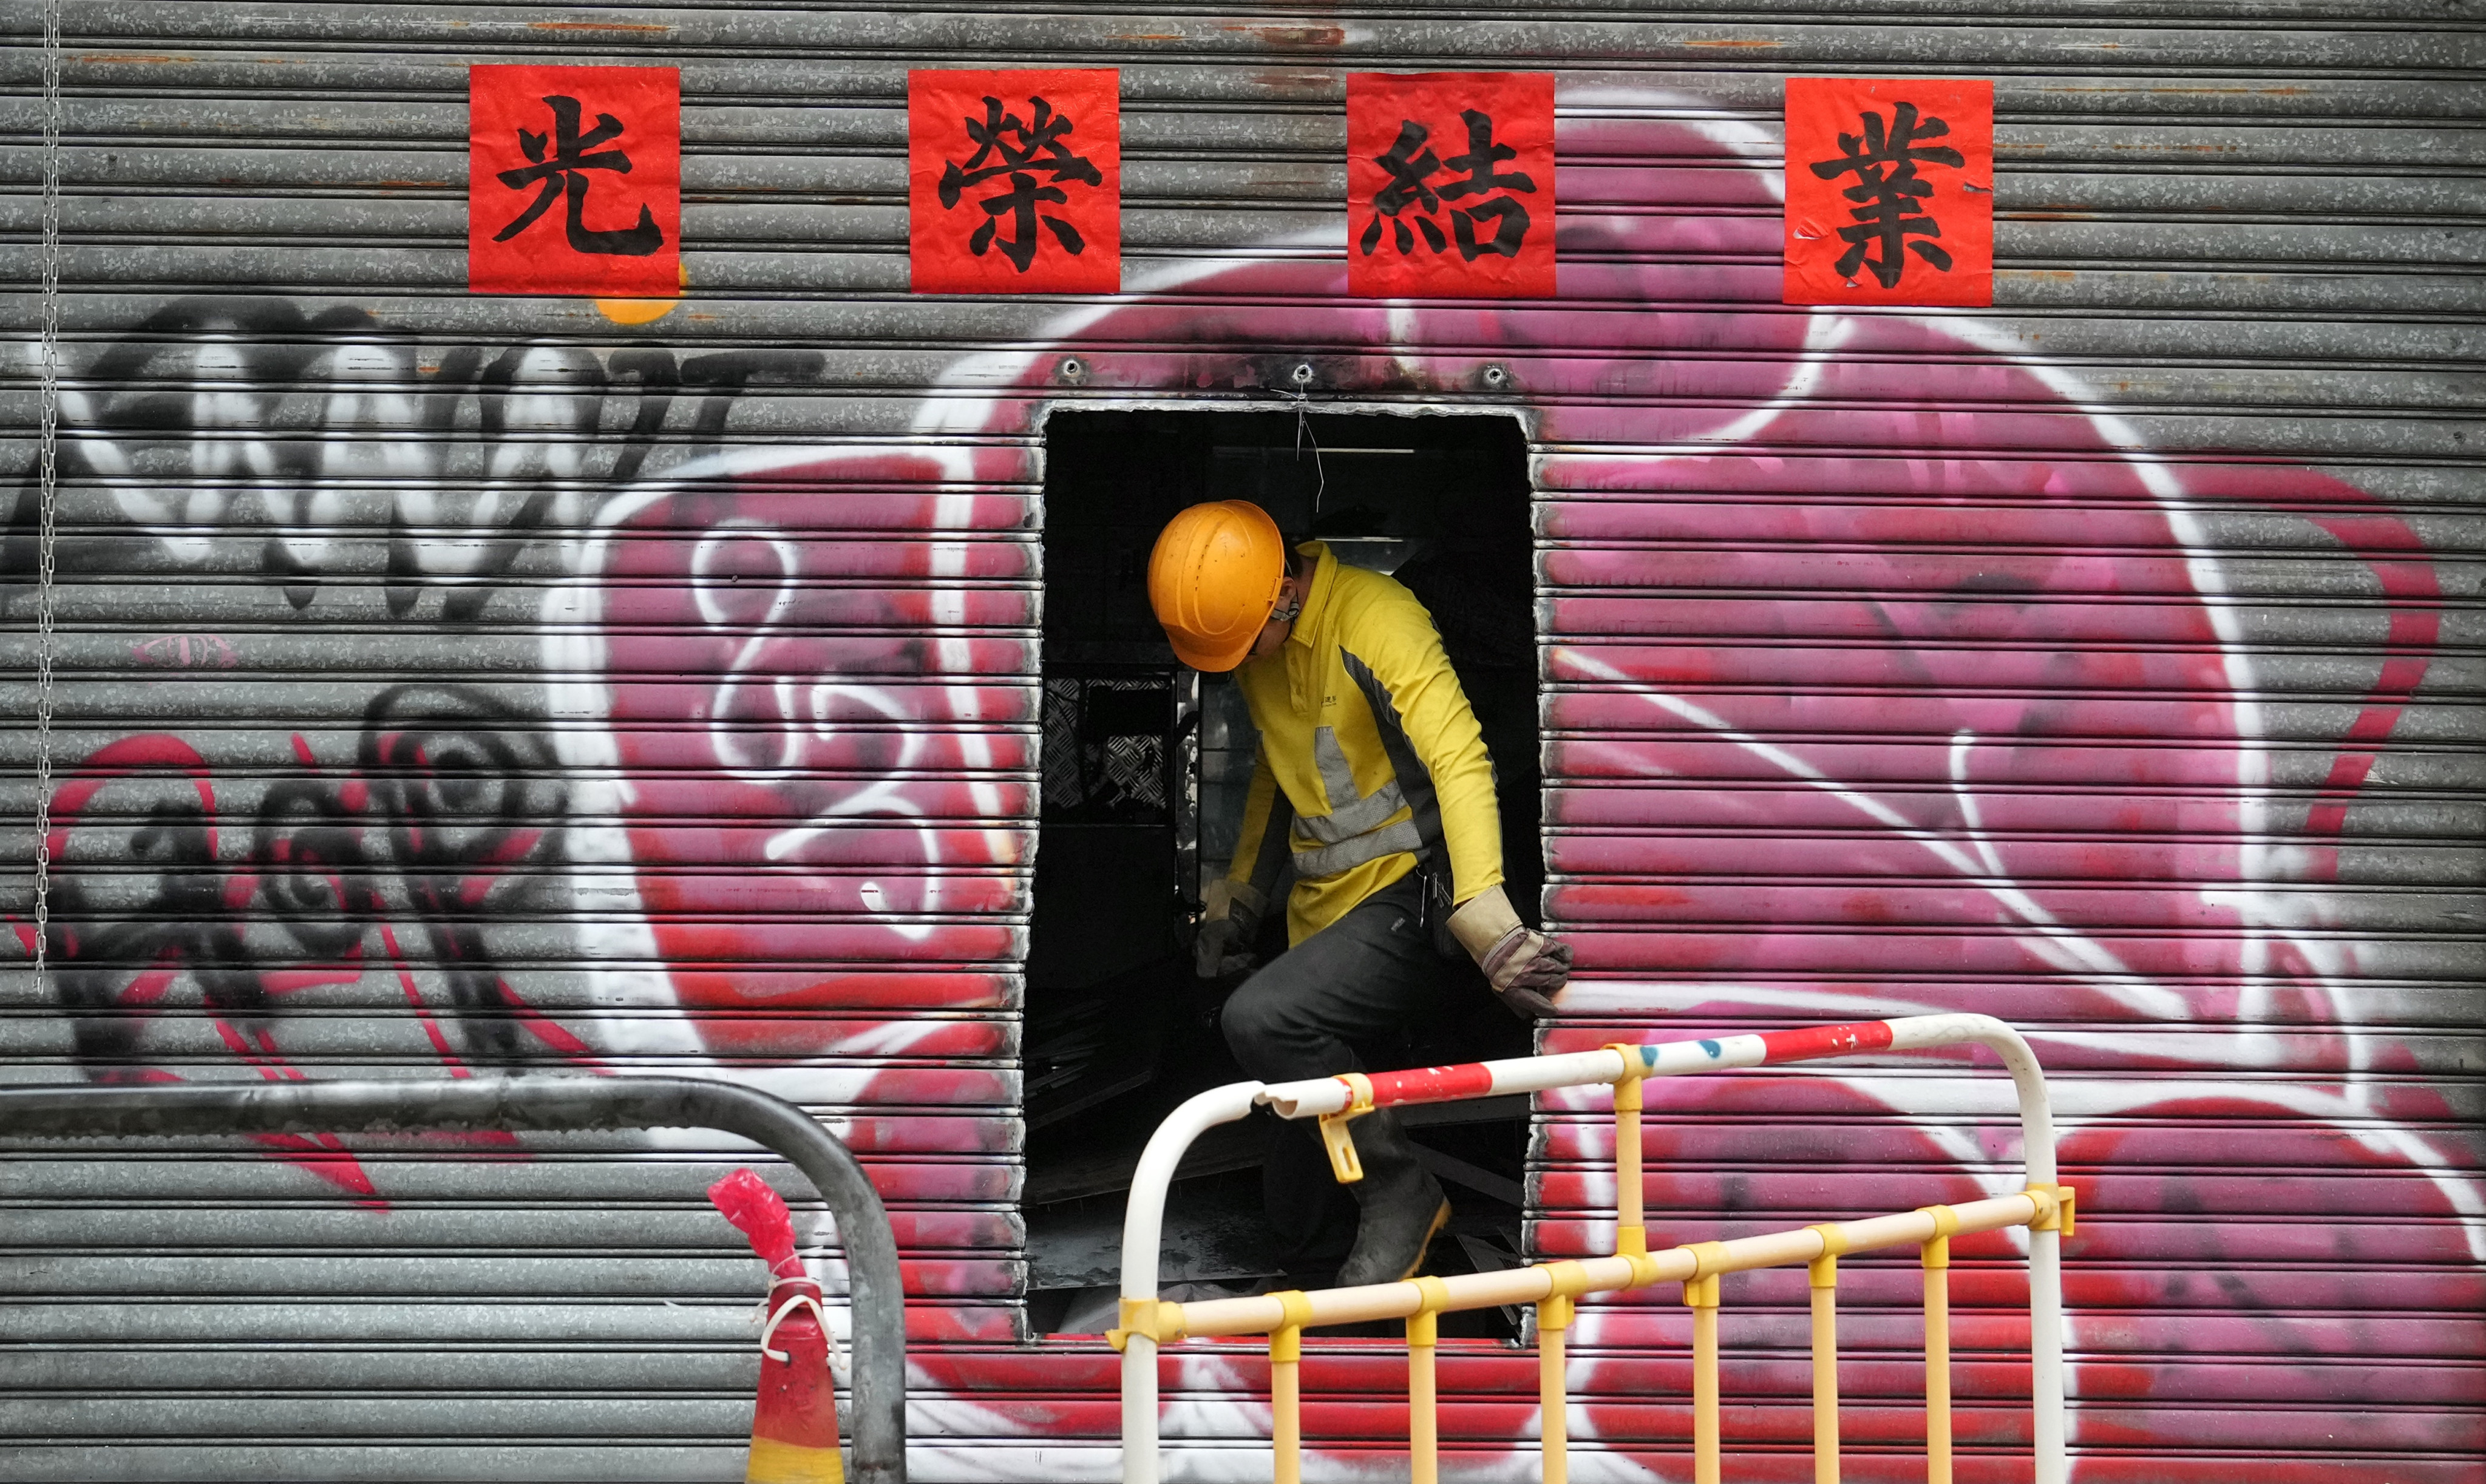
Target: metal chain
<point>47,482</point>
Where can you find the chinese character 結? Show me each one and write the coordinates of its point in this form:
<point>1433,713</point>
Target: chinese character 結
<point>1883,160</point>
<point>565,173</point>
<point>1016,150</point>
<point>1410,184</point>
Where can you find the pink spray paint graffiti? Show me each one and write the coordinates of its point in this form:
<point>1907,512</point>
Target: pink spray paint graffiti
<point>869,746</point>
<point>1862,702</point>
<point>2014,705</point>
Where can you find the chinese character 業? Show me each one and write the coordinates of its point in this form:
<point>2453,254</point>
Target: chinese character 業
<point>1019,150</point>
<point>1884,161</point>
<point>564,171</point>
<point>1409,184</point>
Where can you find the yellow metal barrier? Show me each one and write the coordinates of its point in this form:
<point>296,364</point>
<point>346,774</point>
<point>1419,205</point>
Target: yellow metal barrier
<point>1554,1288</point>
<point>1700,1296</point>
<point>1937,1261</point>
<point>1823,1276</point>
<point>1286,1385</point>
<point>1424,1427</point>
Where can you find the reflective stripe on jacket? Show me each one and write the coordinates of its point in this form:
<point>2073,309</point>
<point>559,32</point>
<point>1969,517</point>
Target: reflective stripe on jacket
<point>1369,755</point>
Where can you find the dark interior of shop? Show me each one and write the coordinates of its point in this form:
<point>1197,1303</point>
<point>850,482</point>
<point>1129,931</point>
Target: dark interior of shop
<point>1144,764</point>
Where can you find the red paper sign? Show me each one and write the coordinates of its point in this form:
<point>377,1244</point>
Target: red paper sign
<point>1014,181</point>
<point>1450,184</point>
<point>574,181</point>
<point>1890,191</point>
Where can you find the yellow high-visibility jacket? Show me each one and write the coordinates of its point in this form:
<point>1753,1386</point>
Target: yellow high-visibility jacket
<point>1369,755</point>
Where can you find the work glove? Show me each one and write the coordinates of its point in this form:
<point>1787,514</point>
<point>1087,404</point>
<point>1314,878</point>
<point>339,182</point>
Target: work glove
<point>1525,966</point>
<point>1230,920</point>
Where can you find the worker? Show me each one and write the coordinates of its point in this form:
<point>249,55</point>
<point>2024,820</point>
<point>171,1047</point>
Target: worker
<point>1373,786</point>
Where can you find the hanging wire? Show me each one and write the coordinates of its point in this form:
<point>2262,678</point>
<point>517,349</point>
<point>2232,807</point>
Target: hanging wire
<point>1304,430</point>
<point>48,485</point>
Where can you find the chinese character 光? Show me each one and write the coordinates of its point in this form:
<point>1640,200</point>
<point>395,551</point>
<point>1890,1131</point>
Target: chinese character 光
<point>1410,174</point>
<point>1007,146</point>
<point>1884,161</point>
<point>565,172</point>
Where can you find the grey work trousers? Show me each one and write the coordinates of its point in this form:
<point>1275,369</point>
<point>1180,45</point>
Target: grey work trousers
<point>1371,973</point>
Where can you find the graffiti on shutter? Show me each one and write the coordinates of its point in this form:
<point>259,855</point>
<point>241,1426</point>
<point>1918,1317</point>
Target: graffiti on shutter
<point>452,688</point>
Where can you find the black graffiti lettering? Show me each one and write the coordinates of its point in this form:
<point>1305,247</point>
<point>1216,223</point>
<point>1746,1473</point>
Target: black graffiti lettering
<point>452,796</point>
<point>721,376</point>
<point>659,378</point>
<point>327,454</point>
<point>335,450</point>
<point>307,850</point>
<point>467,796</point>
<point>138,898</point>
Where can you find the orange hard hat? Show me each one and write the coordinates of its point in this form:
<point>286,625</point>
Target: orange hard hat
<point>1213,580</point>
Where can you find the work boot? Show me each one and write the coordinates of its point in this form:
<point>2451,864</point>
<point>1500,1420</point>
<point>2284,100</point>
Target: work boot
<point>1403,1205</point>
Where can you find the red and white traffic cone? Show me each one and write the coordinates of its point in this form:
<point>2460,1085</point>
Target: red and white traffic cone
<point>794,1425</point>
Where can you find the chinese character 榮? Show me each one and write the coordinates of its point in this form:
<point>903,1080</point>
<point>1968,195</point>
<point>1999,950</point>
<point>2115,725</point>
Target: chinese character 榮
<point>1451,184</point>
<point>1014,181</point>
<point>574,183</point>
<point>1015,150</point>
<point>1889,194</point>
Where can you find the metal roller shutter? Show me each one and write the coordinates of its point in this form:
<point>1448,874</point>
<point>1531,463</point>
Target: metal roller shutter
<point>2107,662</point>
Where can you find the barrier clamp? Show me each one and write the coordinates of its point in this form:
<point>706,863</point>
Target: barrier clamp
<point>2059,1202</point>
<point>1152,1319</point>
<point>1343,1161</point>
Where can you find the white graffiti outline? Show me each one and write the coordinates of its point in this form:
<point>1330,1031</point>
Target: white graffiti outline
<point>963,407</point>
<point>886,797</point>
<point>982,382</point>
<point>723,739</point>
<point>576,650</point>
